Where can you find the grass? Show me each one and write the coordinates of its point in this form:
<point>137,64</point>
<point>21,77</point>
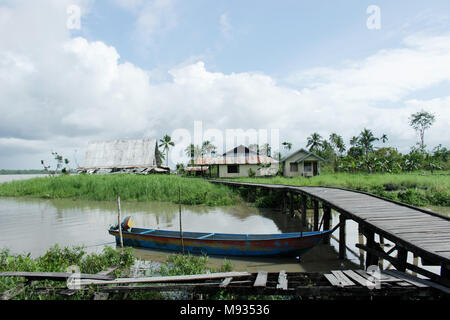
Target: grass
<point>129,187</point>
<point>417,189</point>
<point>58,259</point>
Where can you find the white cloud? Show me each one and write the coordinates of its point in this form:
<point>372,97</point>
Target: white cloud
<point>65,91</point>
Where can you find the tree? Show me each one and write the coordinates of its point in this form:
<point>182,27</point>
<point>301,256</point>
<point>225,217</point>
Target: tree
<point>421,121</point>
<point>384,138</point>
<point>366,139</point>
<point>338,145</point>
<point>166,143</point>
<point>207,148</point>
<point>287,145</point>
<point>265,149</point>
<point>314,142</point>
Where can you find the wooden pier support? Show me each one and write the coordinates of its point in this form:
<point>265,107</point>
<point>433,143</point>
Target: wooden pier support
<point>402,257</point>
<point>326,222</point>
<point>291,204</point>
<point>316,215</point>
<point>342,242</point>
<point>371,259</point>
<point>303,210</point>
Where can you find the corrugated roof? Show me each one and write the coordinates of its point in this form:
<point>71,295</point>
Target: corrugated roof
<point>236,160</point>
<point>140,153</point>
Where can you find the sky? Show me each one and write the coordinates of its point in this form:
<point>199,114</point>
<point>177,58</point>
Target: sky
<point>73,71</point>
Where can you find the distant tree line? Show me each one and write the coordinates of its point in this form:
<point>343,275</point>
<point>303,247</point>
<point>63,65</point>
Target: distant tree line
<point>363,156</point>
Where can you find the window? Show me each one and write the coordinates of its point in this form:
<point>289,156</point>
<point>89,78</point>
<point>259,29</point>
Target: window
<point>233,168</point>
<point>307,166</point>
<point>293,167</point>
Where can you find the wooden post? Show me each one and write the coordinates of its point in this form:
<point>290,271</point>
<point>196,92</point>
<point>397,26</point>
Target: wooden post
<point>316,215</point>
<point>326,222</point>
<point>402,257</point>
<point>445,272</point>
<point>303,209</point>
<point>291,204</point>
<point>179,210</point>
<point>342,246</point>
<point>370,242</point>
<point>119,222</point>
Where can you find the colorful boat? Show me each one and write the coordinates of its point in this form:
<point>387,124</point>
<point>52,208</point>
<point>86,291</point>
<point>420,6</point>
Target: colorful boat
<point>283,244</point>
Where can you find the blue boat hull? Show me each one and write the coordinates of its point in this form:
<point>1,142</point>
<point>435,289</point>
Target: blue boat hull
<point>289,244</point>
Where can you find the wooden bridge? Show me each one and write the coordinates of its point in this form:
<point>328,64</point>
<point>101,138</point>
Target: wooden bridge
<point>422,232</point>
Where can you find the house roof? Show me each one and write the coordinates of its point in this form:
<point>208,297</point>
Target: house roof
<point>140,153</point>
<point>238,155</point>
<point>307,155</point>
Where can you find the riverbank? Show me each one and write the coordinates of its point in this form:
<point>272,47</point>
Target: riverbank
<point>129,187</point>
<point>58,259</point>
<point>416,189</point>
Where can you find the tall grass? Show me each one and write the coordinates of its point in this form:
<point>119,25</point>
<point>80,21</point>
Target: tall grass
<point>129,187</point>
<point>412,188</point>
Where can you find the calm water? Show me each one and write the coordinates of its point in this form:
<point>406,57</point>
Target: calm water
<point>34,225</point>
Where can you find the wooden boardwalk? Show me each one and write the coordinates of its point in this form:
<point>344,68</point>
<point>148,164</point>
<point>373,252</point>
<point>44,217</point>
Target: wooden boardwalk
<point>422,232</point>
<point>357,284</point>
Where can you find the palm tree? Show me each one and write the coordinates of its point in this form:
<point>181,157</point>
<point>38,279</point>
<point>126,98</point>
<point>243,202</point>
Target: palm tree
<point>366,139</point>
<point>338,143</point>
<point>384,138</point>
<point>166,143</point>
<point>287,145</point>
<point>265,149</point>
<point>314,142</point>
<point>207,148</point>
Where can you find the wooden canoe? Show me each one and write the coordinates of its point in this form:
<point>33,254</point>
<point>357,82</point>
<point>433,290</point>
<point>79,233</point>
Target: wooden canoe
<point>283,244</point>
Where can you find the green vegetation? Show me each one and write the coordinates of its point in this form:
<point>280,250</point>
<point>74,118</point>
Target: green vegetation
<point>59,259</point>
<point>129,187</point>
<point>417,188</point>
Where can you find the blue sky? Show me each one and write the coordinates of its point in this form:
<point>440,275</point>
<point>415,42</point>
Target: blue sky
<point>146,68</point>
<point>273,37</point>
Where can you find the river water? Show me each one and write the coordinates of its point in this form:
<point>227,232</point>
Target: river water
<point>34,225</point>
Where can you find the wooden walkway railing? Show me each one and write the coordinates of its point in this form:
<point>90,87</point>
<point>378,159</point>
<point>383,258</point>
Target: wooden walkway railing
<point>424,233</point>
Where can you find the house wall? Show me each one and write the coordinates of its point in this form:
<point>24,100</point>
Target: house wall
<point>244,168</point>
<point>287,165</point>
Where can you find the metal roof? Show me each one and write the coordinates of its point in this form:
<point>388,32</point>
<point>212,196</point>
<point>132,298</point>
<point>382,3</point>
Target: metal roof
<point>142,153</point>
<point>236,160</point>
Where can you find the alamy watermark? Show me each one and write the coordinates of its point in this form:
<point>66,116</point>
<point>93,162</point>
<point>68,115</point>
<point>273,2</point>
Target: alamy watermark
<point>73,17</point>
<point>374,20</point>
<point>265,141</point>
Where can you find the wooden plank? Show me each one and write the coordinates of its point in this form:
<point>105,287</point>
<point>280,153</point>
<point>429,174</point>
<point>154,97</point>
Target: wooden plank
<point>342,278</point>
<point>261,279</point>
<point>356,277</point>
<point>101,296</point>
<point>405,277</point>
<point>13,292</point>
<point>55,276</point>
<point>333,280</point>
<point>108,271</point>
<point>282,280</point>
<point>195,277</point>
<point>225,282</point>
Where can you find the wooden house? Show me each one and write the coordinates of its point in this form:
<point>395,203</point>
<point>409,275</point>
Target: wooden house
<point>301,163</point>
<point>240,162</point>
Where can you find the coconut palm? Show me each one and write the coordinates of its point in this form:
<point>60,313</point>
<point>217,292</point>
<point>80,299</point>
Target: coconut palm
<point>384,138</point>
<point>166,143</point>
<point>314,142</point>
<point>207,148</point>
<point>366,139</point>
<point>287,145</point>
